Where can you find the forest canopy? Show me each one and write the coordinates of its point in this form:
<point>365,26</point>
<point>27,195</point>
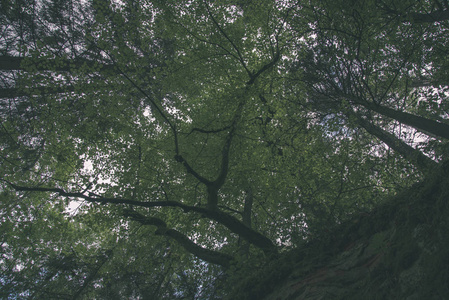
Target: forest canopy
<point>161,149</point>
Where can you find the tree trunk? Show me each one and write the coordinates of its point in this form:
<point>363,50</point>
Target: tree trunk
<point>422,124</point>
<point>416,157</point>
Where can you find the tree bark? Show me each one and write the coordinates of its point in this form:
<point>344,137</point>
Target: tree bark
<point>422,124</point>
<point>414,156</point>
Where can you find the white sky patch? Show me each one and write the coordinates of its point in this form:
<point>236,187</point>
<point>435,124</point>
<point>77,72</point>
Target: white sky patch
<point>74,206</point>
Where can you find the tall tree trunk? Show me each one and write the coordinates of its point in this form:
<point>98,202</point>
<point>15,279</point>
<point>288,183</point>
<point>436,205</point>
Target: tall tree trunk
<point>414,156</point>
<point>427,126</point>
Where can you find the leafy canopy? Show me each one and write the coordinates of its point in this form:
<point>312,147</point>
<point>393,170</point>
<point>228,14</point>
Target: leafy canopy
<point>161,149</point>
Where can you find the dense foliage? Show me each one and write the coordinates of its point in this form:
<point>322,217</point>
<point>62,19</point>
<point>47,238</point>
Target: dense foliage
<point>162,149</point>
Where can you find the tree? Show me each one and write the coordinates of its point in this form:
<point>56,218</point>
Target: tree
<point>199,140</point>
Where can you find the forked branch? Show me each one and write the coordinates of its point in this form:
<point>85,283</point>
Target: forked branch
<point>233,224</point>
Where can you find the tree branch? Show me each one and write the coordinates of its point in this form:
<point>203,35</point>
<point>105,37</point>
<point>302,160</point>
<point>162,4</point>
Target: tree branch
<point>230,222</point>
<point>190,170</point>
<point>240,57</point>
<point>435,16</point>
<point>209,131</point>
<point>214,187</point>
<point>48,64</point>
<point>162,229</point>
<point>264,68</point>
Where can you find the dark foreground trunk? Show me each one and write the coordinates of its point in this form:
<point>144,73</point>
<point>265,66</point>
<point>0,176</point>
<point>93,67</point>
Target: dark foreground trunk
<point>398,251</point>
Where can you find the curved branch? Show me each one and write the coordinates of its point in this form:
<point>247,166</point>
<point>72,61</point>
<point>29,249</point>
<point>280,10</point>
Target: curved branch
<point>208,131</point>
<point>190,170</point>
<point>230,222</point>
<point>200,252</point>
<point>213,186</point>
<point>264,68</point>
